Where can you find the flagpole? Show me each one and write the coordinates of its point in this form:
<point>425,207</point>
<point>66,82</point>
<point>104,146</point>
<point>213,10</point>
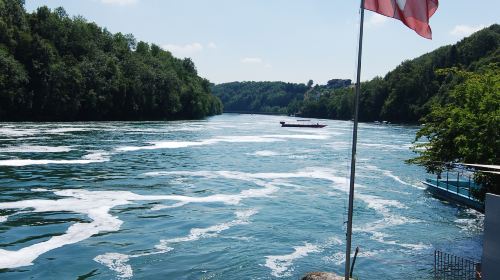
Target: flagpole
<point>353,152</point>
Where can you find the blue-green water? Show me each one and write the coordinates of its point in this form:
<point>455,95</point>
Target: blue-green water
<point>230,197</point>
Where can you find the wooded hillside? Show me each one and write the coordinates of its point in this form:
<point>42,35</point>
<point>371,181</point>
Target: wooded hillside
<point>57,67</point>
<point>407,93</point>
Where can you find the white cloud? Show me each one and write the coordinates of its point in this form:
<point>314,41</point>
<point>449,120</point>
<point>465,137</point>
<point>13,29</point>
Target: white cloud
<point>251,60</point>
<point>465,30</point>
<point>256,61</point>
<point>119,2</point>
<point>188,49</point>
<point>211,45</point>
<point>183,50</point>
<point>376,20</point>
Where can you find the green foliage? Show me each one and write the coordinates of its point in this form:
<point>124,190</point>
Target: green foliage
<point>280,97</point>
<point>53,67</point>
<point>407,93</point>
<point>259,97</point>
<point>466,128</point>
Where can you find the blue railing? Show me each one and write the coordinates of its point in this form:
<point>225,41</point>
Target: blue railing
<point>456,185</point>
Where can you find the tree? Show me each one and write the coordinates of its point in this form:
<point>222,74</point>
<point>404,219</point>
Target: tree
<point>466,129</point>
<point>53,67</point>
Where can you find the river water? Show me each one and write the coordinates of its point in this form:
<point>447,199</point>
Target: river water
<point>229,197</point>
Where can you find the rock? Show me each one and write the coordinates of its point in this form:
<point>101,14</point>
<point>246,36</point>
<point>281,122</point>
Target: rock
<point>322,276</point>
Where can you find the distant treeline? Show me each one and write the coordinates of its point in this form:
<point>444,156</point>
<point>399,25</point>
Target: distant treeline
<point>53,67</point>
<point>406,94</point>
<point>258,97</point>
<point>268,97</point>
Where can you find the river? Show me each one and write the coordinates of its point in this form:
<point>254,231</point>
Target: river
<point>229,197</point>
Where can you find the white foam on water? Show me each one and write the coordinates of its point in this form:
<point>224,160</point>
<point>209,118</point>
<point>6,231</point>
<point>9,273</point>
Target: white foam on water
<point>380,205</point>
<point>265,153</point>
<point>280,265</point>
<point>63,130</point>
<point>97,205</point>
<point>370,254</point>
<point>3,218</point>
<point>386,146</point>
<point>175,205</point>
<point>97,156</point>
<point>268,187</point>
<point>233,199</point>
<point>89,158</point>
<point>473,223</point>
<point>270,181</point>
<point>220,139</point>
<point>391,175</point>
<point>161,145</point>
<point>262,179</point>
<point>299,156</point>
<point>299,136</point>
<point>248,139</point>
<point>39,190</point>
<point>117,263</point>
<point>382,238</point>
<point>35,149</point>
<point>337,258</point>
<point>242,217</point>
<point>383,206</point>
<point>328,131</point>
<point>337,145</point>
<point>17,132</point>
<point>333,241</point>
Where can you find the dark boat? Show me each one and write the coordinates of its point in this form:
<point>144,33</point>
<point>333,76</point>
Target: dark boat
<point>283,124</point>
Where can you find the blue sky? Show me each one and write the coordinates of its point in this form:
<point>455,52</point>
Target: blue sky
<point>279,40</point>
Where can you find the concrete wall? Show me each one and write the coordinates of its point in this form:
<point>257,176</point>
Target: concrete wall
<point>491,241</point>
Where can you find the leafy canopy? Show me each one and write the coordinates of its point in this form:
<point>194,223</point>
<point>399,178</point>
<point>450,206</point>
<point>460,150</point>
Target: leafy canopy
<point>53,67</point>
<point>466,128</point>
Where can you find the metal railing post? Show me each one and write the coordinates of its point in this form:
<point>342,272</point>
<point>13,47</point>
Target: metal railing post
<point>435,263</point>
<point>469,186</point>
<point>447,171</point>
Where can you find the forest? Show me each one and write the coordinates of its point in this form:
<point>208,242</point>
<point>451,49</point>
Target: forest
<point>259,97</point>
<point>407,93</point>
<point>404,95</point>
<point>269,97</point>
<point>54,67</point>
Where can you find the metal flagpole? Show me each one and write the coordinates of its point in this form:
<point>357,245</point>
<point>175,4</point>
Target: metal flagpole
<point>353,152</point>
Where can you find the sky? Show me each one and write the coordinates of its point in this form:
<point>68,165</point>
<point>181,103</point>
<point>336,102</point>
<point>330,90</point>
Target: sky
<point>279,40</point>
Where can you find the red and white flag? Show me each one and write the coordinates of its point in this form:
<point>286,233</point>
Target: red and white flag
<point>413,13</point>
